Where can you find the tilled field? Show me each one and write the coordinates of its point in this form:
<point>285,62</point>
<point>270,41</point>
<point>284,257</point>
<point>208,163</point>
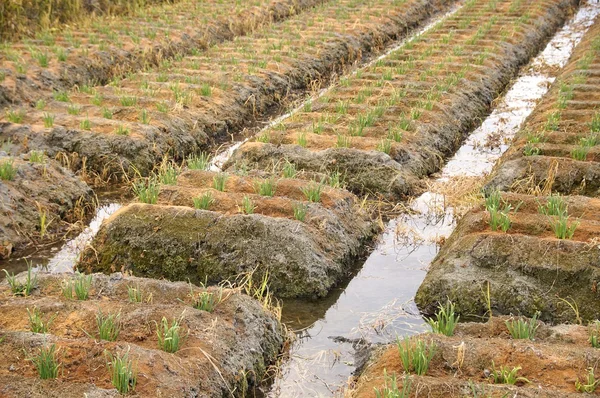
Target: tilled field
<point>289,214</point>
<point>194,102</point>
<point>395,122</point>
<point>547,259</point>
<point>225,348</point>
<point>463,365</point>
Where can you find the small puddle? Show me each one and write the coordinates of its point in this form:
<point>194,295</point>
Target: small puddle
<point>377,304</point>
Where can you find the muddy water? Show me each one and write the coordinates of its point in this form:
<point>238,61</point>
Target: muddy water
<point>376,305</point>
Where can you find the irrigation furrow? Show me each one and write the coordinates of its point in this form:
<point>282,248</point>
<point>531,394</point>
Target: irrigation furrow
<point>545,230</point>
<point>439,94</point>
<point>109,47</point>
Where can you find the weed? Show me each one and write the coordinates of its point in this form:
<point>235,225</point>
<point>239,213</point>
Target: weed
<point>40,105</point>
<point>121,130</point>
<point>445,321</point>
<point>36,157</point>
<point>204,201</point>
<point>505,375</point>
<point>248,206</point>
<point>206,301</point>
<point>61,96</point>
<point>46,362</point>
<point>109,325</point>
<point>312,191</point>
<point>289,169</point>
<point>168,174</point>
<point>385,146</point>
<point>15,116</point>
<point>580,152</point>
<point>591,140</point>
<point>267,187</point>
<point>555,205</point>
<point>169,335</point>
<point>85,124</point>
<point>335,179</point>
<point>299,211</point>
<point>561,227</point>
<point>531,149</point>
<point>198,162</point>
<point>48,120</point>
<point>134,293</point>
<point>73,110</point>
<point>144,117</point>
<point>7,170</point>
<point>589,386</point>
<point>36,323</point>
<point>219,181</point>
<point>19,288</point>
<point>79,286</point>
<point>128,101</point>
<point>343,141</point>
<point>390,387</point>
<point>415,356</point>
<point>520,329</point>
<point>147,190</point>
<point>123,376</point>
<point>301,140</point>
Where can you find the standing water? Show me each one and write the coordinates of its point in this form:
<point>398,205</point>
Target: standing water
<point>377,305</point>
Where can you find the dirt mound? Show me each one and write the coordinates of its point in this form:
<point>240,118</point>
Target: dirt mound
<point>38,202</point>
<point>302,256</point>
<point>223,352</point>
<point>552,363</point>
<point>415,106</point>
<point>526,269</point>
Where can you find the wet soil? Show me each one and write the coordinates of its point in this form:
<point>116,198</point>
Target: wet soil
<point>224,352</point>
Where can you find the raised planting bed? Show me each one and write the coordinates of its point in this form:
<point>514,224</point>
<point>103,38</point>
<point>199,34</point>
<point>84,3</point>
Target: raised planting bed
<point>99,49</point>
<point>464,365</point>
<point>303,236</point>
<point>558,149</point>
<point>190,103</point>
<point>227,340</point>
<point>38,199</point>
<point>395,122</point>
<point>530,267</point>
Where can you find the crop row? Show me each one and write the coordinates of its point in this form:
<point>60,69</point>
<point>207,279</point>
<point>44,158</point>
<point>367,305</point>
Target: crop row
<point>189,102</point>
<point>534,243</point>
<point>396,121</point>
<point>102,48</point>
<point>148,337</point>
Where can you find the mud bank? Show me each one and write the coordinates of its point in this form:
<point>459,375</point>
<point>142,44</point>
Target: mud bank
<point>39,201</point>
<point>216,93</point>
<point>552,363</point>
<point>174,240</point>
<point>224,352</point>
<point>547,260</point>
<point>439,97</point>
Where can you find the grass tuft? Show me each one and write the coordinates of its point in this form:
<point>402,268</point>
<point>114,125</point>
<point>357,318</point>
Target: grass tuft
<point>19,288</point>
<point>123,375</point>
<point>445,320</point>
<point>7,170</point>
<point>204,201</point>
<point>109,325</point>
<point>390,387</point>
<point>77,287</point>
<point>169,335</point>
<point>415,355</point>
<point>505,375</point>
<point>36,322</point>
<point>46,362</point>
<point>198,162</point>
<point>312,191</point>
<point>520,329</point>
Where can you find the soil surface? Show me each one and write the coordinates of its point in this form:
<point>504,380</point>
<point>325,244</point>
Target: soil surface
<point>175,241</point>
<point>552,363</point>
<point>224,352</point>
<point>42,200</point>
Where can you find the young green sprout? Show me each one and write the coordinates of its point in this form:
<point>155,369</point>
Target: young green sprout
<point>46,362</point>
<point>204,201</point>
<point>109,325</point>
<point>123,375</point>
<point>520,329</point>
<point>415,356</point>
<point>169,336</point>
<point>445,319</point>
